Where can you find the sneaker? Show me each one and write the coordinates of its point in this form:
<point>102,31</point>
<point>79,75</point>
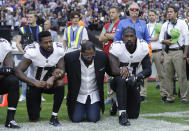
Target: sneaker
<point>22,98</point>
<point>113,109</point>
<point>169,101</point>
<point>54,121</point>
<point>142,98</point>
<point>42,98</point>
<point>184,102</point>
<point>12,124</point>
<point>123,120</point>
<point>164,98</point>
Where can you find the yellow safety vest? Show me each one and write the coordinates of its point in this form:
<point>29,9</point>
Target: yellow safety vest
<point>77,37</point>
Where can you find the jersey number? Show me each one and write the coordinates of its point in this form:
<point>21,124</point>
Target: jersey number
<point>45,73</point>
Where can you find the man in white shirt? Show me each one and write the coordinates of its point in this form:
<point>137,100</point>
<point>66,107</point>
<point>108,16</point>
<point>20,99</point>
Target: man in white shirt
<point>174,35</point>
<point>74,35</point>
<point>85,70</point>
<point>156,49</point>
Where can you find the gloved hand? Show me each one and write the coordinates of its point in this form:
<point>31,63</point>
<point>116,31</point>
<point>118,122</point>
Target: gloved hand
<point>131,81</point>
<point>6,70</point>
<point>140,79</point>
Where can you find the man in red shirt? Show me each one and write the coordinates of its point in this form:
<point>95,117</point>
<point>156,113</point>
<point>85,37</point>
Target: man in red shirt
<point>107,37</point>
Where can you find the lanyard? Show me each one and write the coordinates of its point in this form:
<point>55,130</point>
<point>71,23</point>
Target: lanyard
<point>37,32</point>
<point>152,30</point>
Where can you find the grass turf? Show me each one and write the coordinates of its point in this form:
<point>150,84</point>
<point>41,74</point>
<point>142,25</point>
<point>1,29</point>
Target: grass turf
<point>152,105</point>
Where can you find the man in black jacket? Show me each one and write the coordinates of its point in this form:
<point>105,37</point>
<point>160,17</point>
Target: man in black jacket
<point>85,70</point>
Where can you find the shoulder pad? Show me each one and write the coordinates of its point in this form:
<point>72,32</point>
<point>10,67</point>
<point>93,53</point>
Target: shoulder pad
<point>59,45</point>
<point>3,40</point>
<point>117,42</point>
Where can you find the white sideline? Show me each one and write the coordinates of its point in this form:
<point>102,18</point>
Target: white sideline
<point>111,124</point>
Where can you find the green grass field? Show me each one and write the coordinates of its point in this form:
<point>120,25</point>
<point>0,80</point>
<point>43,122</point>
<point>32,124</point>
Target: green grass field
<point>152,105</point>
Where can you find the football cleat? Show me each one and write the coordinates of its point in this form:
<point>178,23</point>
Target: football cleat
<point>12,124</point>
<point>54,121</point>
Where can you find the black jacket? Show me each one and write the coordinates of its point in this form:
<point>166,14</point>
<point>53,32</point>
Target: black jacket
<point>73,69</point>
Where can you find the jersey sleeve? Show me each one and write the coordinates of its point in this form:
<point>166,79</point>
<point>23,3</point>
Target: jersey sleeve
<point>145,48</point>
<point>60,49</point>
<point>6,48</point>
<point>115,49</point>
<point>30,51</point>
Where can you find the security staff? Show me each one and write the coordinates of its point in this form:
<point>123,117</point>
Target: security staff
<point>174,35</point>
<point>75,34</point>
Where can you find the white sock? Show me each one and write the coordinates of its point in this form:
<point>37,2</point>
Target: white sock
<point>54,114</point>
<point>120,111</point>
<point>11,108</point>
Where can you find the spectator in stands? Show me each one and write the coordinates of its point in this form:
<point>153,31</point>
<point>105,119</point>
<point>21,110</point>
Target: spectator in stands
<point>47,27</point>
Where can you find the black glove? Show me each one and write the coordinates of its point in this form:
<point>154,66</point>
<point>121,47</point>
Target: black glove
<point>131,81</point>
<point>6,70</point>
<point>140,79</point>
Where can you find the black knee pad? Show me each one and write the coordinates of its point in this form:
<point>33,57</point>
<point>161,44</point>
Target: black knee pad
<point>12,80</point>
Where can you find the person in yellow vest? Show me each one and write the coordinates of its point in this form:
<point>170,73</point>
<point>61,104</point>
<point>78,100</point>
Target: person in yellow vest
<point>28,33</point>
<point>74,35</point>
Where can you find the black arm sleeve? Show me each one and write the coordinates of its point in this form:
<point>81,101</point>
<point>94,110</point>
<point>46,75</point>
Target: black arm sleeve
<point>146,66</point>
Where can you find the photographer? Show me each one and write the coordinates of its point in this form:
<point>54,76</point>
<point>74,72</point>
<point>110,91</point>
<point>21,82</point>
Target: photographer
<point>126,58</point>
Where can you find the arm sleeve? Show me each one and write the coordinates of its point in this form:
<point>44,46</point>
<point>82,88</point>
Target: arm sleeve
<point>185,33</point>
<point>146,66</point>
<point>85,35</point>
<point>118,34</point>
<point>55,37</point>
<point>103,30</point>
<point>162,33</point>
<point>146,34</point>
<point>64,37</point>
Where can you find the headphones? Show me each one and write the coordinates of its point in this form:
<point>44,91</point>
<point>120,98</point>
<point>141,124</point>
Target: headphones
<point>139,14</point>
<point>173,22</point>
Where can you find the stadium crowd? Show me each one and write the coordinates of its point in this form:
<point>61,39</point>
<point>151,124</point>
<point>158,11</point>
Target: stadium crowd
<point>94,13</point>
<point>137,34</point>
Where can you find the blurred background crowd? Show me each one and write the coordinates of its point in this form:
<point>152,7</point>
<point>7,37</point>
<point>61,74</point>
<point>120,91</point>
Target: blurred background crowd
<point>94,13</point>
